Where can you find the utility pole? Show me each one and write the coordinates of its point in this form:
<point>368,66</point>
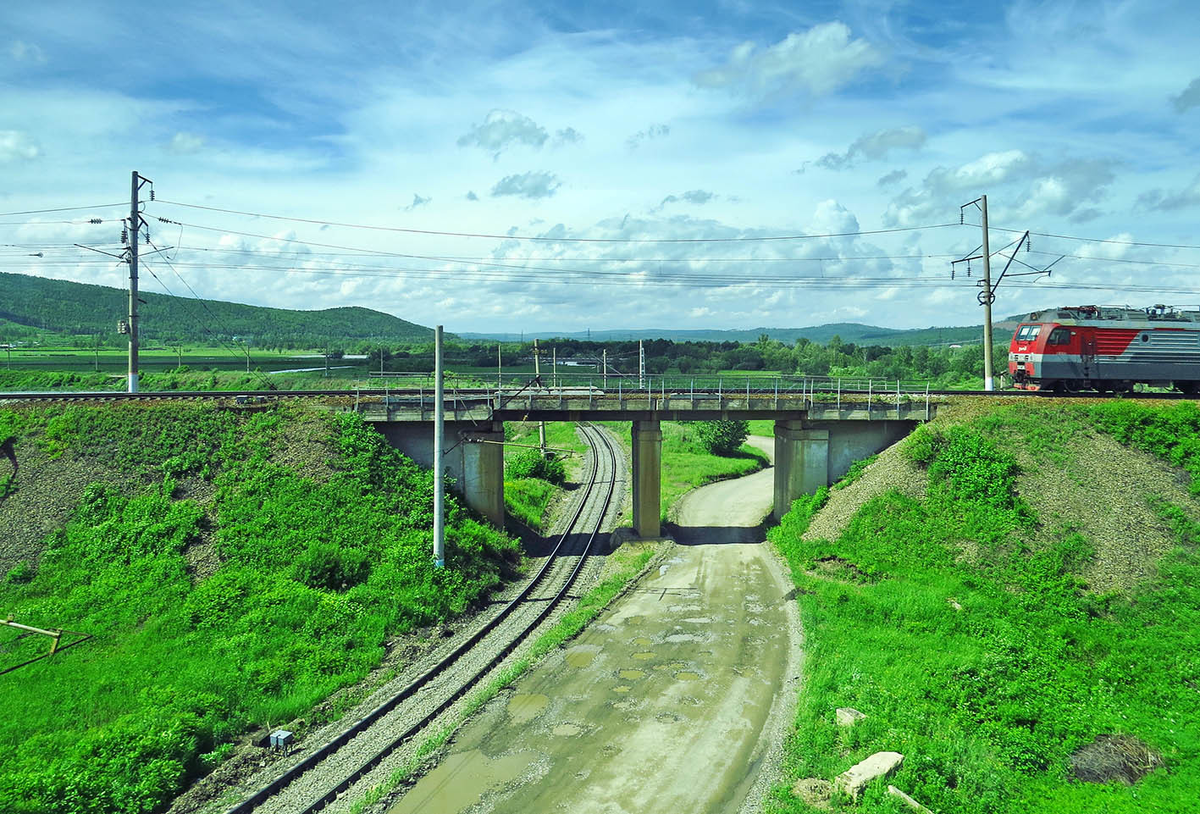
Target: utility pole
<point>327,357</point>
<point>439,428</point>
<point>247,354</point>
<point>604,367</point>
<point>135,222</point>
<point>499,368</point>
<point>554,367</point>
<point>537,371</point>
<point>988,381</point>
<point>641,365</point>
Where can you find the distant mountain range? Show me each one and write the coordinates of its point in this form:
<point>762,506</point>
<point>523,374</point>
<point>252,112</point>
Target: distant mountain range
<point>846,331</point>
<point>64,307</point>
<point>30,305</point>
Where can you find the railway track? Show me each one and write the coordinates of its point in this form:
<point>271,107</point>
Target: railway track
<point>334,773</point>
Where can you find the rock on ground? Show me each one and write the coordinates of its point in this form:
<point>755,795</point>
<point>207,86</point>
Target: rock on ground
<point>856,778</point>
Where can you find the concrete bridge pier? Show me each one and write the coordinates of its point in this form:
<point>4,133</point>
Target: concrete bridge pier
<point>647,478</point>
<point>474,458</point>
<point>801,463</point>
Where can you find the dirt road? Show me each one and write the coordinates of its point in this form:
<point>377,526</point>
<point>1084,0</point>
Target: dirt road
<point>674,700</point>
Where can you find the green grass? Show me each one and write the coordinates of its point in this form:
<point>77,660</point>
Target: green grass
<point>988,703</point>
<point>528,499</point>
<point>686,465</point>
<point>314,576</point>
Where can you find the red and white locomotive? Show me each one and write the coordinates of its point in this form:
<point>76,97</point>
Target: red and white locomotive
<point>1091,347</point>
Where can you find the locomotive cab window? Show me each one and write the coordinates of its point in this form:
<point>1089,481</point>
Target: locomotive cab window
<point>1028,333</point>
<point>1059,336</point>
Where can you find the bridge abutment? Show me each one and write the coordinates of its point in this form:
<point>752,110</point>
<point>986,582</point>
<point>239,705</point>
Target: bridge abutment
<point>812,454</point>
<point>647,478</point>
<point>474,458</point>
<point>801,463</point>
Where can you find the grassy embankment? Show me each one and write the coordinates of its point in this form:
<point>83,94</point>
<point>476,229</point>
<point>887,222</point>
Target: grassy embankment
<point>529,499</point>
<point>960,624</point>
<point>236,567</point>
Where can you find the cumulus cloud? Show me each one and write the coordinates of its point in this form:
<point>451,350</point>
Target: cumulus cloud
<point>652,132</point>
<point>568,135</point>
<point>1059,188</point>
<point>692,196</point>
<point>26,52</point>
<point>502,129</point>
<point>1162,200</point>
<point>471,196</point>
<point>186,143</point>
<point>1189,98</point>
<point>874,147</point>
<point>893,177</point>
<point>17,146</point>
<point>528,185</point>
<point>817,61</point>
<point>417,201</point>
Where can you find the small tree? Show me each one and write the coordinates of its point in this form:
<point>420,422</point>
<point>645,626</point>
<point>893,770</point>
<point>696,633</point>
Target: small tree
<point>722,437</point>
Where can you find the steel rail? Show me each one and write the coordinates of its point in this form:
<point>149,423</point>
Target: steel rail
<point>326,750</point>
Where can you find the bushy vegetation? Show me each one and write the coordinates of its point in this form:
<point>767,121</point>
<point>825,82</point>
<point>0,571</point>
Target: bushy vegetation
<point>976,653</point>
<point>723,436</point>
<point>313,574</point>
<point>527,496</point>
<point>531,463</point>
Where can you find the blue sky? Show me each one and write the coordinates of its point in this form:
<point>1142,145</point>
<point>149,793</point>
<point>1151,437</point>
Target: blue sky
<point>718,124</point>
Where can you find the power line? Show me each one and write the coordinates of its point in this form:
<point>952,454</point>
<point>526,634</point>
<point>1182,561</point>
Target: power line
<point>204,305</point>
<point>64,209</point>
<point>442,233</point>
<point>1102,240</point>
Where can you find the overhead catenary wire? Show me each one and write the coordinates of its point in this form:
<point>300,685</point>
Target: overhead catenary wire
<point>549,239</point>
<point>64,209</point>
<point>204,305</point>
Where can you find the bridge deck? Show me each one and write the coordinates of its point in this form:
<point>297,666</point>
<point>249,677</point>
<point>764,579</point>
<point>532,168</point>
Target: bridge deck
<point>573,405</point>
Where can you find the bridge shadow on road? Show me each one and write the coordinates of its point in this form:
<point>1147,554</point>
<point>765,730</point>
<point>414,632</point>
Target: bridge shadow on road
<point>717,535</point>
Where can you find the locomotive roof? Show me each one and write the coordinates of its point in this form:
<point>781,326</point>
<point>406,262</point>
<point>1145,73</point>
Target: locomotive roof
<point>1105,315</point>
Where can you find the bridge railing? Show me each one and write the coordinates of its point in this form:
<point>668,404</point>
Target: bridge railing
<point>813,393</point>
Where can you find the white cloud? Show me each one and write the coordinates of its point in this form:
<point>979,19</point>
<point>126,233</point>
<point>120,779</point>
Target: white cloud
<point>1189,98</point>
<point>186,143</point>
<point>26,52</point>
<point>17,146</point>
<point>654,131</point>
<point>1058,188</point>
<point>817,61</point>
<point>501,130</point>
<point>874,147</point>
<point>1163,200</point>
<point>692,196</point>
<point>528,185</point>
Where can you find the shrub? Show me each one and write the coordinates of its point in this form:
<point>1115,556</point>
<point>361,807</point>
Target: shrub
<point>722,437</point>
<point>529,463</point>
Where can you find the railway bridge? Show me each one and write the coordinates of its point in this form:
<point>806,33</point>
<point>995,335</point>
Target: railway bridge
<point>818,435</point>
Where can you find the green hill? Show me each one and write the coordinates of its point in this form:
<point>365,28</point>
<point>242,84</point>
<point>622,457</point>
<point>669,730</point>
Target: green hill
<point>39,304</point>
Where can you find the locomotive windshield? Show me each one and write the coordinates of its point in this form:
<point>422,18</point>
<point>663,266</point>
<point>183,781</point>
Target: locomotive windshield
<point>1028,333</point>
